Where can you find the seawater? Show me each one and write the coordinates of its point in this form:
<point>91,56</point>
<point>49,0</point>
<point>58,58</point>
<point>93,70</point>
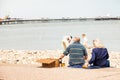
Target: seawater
<point>48,36</point>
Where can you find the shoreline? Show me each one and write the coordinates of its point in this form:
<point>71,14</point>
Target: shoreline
<point>29,57</point>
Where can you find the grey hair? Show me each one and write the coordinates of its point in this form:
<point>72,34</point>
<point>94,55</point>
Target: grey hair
<point>98,44</point>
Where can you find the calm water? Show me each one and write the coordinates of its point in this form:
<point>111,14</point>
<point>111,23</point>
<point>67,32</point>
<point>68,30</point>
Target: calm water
<point>39,36</point>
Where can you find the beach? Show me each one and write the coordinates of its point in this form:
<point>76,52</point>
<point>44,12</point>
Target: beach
<point>27,43</point>
<point>22,65</point>
<point>31,56</point>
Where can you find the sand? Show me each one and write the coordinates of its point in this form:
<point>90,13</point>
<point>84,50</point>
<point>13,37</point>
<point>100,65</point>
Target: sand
<point>22,65</point>
<point>25,72</point>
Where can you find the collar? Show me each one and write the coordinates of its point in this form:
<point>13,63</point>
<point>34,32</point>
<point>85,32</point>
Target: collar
<point>76,42</point>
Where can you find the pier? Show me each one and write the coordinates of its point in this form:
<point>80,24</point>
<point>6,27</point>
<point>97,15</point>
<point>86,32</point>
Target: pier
<point>23,21</point>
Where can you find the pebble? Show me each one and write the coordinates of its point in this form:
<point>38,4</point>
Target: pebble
<point>30,57</point>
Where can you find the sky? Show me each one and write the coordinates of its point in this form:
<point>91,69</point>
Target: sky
<point>59,8</point>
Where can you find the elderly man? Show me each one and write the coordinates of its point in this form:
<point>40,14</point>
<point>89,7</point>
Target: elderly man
<point>77,53</point>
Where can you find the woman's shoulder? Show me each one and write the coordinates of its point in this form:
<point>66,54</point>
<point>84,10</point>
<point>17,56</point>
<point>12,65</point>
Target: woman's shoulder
<point>99,49</point>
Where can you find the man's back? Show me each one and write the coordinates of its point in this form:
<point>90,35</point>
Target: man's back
<point>76,53</point>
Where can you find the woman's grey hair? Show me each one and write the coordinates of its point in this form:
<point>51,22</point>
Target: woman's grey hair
<point>98,44</point>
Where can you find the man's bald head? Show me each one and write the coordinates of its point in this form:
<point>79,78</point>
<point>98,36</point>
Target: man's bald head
<point>76,39</point>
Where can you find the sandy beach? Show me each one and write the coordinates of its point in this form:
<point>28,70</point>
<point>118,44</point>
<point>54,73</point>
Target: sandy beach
<point>22,65</point>
<point>25,72</point>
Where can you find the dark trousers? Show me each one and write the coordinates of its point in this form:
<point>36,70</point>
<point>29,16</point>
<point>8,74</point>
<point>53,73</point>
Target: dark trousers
<point>76,66</point>
<point>96,67</point>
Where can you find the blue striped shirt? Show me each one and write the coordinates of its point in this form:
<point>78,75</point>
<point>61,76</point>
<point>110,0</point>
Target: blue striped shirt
<point>76,53</point>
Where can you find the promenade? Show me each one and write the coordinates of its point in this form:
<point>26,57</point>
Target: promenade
<point>25,72</point>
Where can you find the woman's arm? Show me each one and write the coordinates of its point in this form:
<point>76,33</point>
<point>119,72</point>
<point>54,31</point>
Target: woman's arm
<point>92,58</point>
<point>107,53</point>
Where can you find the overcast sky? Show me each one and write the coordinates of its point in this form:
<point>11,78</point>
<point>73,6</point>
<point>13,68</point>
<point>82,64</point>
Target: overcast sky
<point>59,8</point>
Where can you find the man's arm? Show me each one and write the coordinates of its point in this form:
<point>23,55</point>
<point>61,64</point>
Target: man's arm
<point>62,56</point>
<point>86,57</point>
<point>65,53</point>
<point>85,54</point>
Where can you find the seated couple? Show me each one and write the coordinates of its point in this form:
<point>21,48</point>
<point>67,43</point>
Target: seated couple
<point>78,54</point>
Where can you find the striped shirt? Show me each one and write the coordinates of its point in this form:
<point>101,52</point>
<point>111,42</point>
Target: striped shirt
<point>76,53</point>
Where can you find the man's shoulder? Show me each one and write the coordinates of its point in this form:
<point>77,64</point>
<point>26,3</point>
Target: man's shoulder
<point>76,45</point>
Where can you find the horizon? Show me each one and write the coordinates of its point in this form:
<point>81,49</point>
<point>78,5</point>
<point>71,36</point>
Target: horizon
<point>37,9</point>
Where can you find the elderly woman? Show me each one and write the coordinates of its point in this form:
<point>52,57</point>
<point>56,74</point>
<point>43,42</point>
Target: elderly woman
<point>99,56</point>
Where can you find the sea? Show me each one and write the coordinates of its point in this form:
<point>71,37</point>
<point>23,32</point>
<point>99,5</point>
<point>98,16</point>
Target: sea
<point>49,35</point>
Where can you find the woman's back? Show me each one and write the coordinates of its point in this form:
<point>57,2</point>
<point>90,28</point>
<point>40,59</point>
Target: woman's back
<point>101,53</point>
<point>99,57</point>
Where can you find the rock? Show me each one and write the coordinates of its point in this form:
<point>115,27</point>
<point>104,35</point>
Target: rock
<point>30,57</point>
